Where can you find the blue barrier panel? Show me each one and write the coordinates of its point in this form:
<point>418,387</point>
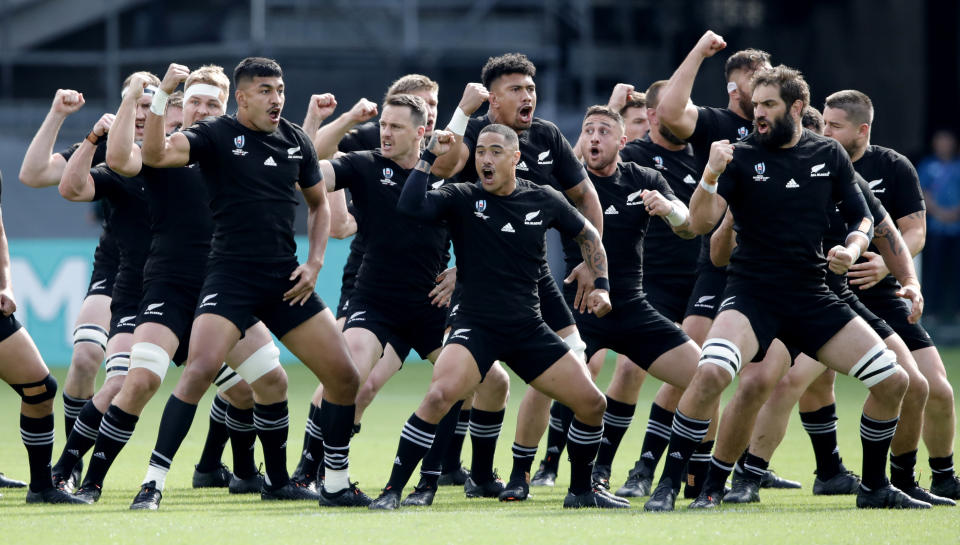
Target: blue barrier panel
<point>50,278</point>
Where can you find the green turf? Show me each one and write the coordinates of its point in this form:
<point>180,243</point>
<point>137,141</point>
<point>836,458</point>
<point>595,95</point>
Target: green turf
<point>213,516</point>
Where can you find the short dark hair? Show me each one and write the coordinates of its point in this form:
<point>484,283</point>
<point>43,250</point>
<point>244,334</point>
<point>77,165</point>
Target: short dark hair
<point>746,59</point>
<point>508,63</point>
<point>653,93</point>
<point>508,134</point>
<point>256,67</point>
<point>857,105</point>
<point>790,81</point>
<point>812,119</point>
<point>418,108</point>
<point>606,111</point>
<point>635,99</point>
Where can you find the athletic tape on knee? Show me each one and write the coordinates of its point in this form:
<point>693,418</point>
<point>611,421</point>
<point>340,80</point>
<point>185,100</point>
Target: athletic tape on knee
<point>446,335</point>
<point>90,333</point>
<point>576,344</point>
<point>34,393</point>
<point>264,360</point>
<point>118,364</point>
<point>150,357</point>
<point>875,366</point>
<point>722,353</point>
<point>226,378</point>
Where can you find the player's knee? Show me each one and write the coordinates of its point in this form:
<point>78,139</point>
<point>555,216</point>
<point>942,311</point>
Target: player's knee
<point>576,345</point>
<point>152,358</point>
<point>755,386</point>
<point>596,405</point>
<point>438,401</point>
<point>918,389</point>
<point>89,342</point>
<point>117,366</point>
<point>496,385</point>
<point>879,371</point>
<point>261,368</point>
<point>39,395</point>
<point>239,395</point>
<point>85,361</point>
<point>720,354</point>
<point>940,393</point>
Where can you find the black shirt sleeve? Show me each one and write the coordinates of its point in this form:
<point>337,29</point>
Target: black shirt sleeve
<point>569,170</point>
<point>416,201</point>
<point>200,136</point>
<point>706,129</point>
<point>99,156</point>
<point>850,200</point>
<point>908,196</point>
<point>347,171</point>
<point>106,183</point>
<point>362,137</point>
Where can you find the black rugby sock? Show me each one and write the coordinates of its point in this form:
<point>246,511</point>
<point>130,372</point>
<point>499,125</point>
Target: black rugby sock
<point>71,410</point>
<point>484,432</point>
<point>81,439</point>
<point>522,462</point>
<point>717,473</point>
<point>616,420</point>
<point>583,441</point>
<point>454,450</point>
<point>311,457</point>
<point>560,418</point>
<point>686,434</point>
<point>697,467</point>
<point>433,461</point>
<point>217,436</point>
<point>941,468</point>
<point>243,435</point>
<point>416,438</point>
<point>901,468</point>
<point>116,428</point>
<point>174,424</point>
<point>656,438</point>
<point>875,436</point>
<point>37,436</point>
<point>821,426</point>
<point>337,428</point>
<point>273,425</point>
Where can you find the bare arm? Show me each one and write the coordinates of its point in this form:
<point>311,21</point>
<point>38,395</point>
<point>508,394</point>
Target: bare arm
<point>318,226</point>
<point>327,138</point>
<point>723,241</point>
<point>595,258</point>
<point>342,222</point>
<point>675,109</point>
<point>319,108</point>
<point>706,207</point>
<point>41,167</point>
<point>913,228</point>
<point>7,304</point>
<point>897,257</point>
<point>159,150</point>
<point>77,184</point>
<point>584,197</point>
<point>449,164</point>
<point>123,156</point>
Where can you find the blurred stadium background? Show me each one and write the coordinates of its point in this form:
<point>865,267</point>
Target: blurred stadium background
<point>904,54</point>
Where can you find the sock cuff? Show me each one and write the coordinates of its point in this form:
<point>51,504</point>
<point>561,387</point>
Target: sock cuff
<point>584,434</point>
<point>619,408</point>
<point>478,416</point>
<point>659,414</point>
<point>822,415</point>
<point>464,415</point>
<point>520,451</point>
<point>943,464</point>
<point>273,408</point>
<point>421,424</point>
<point>705,447</point>
<point>725,466</point>
<point>121,417</point>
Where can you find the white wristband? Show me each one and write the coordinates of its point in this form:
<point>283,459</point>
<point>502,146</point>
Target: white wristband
<point>677,215</point>
<point>159,103</point>
<point>856,254</point>
<point>709,188</point>
<point>458,123</point>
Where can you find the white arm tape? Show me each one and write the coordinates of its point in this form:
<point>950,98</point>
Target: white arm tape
<point>678,215</point>
<point>159,103</point>
<point>709,188</point>
<point>458,123</point>
<point>857,248</point>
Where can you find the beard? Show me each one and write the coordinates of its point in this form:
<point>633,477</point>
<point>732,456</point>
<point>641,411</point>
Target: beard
<point>669,136</point>
<point>779,133</point>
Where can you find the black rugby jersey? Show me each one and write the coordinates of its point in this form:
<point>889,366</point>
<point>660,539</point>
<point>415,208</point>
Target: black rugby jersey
<point>403,255</point>
<point>500,241</point>
<point>664,253</point>
<point>782,200</point>
<point>252,179</point>
<point>180,222</point>
<point>130,224</point>
<point>625,221</point>
<point>99,156</point>
<point>362,137</point>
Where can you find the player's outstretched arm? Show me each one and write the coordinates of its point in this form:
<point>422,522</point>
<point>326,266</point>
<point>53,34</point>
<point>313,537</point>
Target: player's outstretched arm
<point>723,241</point>
<point>675,109</point>
<point>595,258</point>
<point>415,200</point>
<point>41,167</point>
<point>913,228</point>
<point>449,164</point>
<point>159,150</point>
<point>327,138</point>
<point>123,156</point>
<point>896,257</point>
<point>706,207</point>
<point>76,184</point>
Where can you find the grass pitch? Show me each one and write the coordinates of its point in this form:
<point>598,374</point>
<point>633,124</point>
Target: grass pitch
<point>213,516</point>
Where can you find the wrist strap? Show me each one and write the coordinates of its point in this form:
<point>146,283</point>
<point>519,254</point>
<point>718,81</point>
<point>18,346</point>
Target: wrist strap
<point>93,138</point>
<point>709,188</point>
<point>458,123</point>
<point>428,156</point>
<point>159,103</point>
<point>677,215</point>
<point>602,284</point>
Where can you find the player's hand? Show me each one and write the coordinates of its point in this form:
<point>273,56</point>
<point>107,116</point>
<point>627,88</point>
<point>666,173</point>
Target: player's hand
<point>710,43</point>
<point>306,277</point>
<point>441,293</point>
<point>599,303</point>
<point>721,153</point>
<point>176,73</point>
<point>362,111</point>
<point>474,95</point>
<point>839,259</point>
<point>321,106</point>
<point>67,101</point>
<point>867,273</point>
<point>7,304</point>
<point>618,98</point>
<point>584,279</point>
<point>911,292</point>
<point>655,203</point>
<point>137,84</point>
<point>103,124</point>
<point>440,143</point>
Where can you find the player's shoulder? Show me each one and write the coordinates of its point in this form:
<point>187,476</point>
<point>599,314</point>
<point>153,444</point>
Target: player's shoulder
<point>885,154</point>
<point>633,173</point>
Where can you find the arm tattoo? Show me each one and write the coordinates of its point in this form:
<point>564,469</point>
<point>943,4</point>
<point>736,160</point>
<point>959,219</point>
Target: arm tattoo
<point>423,166</point>
<point>883,229</point>
<point>592,249</point>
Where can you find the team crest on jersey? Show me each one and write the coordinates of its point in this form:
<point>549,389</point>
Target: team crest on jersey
<point>532,218</point>
<point>387,175</point>
<point>480,206</point>
<point>658,162</point>
<point>760,169</point>
<point>742,133</point>
<point>238,143</point>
